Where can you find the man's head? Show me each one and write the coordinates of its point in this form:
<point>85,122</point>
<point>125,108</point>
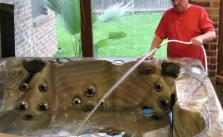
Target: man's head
<point>180,5</point>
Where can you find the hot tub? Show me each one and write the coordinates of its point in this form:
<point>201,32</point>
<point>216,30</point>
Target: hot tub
<point>160,98</point>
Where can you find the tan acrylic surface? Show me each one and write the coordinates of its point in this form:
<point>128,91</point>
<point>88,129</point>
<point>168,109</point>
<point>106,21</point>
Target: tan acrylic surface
<point>67,80</point>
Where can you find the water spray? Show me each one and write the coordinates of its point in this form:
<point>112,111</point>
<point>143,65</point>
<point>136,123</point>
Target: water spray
<point>114,87</point>
<point>124,77</point>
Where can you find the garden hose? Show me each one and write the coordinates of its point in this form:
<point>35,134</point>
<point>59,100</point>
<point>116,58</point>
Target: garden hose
<point>188,43</point>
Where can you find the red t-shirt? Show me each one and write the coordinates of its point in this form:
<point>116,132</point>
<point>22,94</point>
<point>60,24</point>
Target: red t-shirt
<point>184,26</point>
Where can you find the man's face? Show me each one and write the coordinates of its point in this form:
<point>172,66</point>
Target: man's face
<point>180,5</point>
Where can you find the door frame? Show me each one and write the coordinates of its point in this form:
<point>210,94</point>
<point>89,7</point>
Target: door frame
<point>7,30</point>
<point>219,77</point>
<point>86,28</point>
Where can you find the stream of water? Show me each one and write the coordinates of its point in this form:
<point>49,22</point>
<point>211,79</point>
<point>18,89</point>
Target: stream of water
<point>113,88</point>
<point>122,79</point>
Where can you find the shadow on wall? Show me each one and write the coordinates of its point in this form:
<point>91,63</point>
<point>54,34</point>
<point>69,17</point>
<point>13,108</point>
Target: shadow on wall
<point>7,33</point>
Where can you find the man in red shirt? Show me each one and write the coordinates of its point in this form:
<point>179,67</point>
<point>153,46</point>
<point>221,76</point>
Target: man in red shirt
<point>184,22</point>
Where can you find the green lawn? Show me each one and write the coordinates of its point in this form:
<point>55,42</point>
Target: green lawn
<point>139,28</point>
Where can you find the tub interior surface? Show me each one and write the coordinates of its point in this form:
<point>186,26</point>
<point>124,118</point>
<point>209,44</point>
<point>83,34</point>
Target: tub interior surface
<point>41,97</point>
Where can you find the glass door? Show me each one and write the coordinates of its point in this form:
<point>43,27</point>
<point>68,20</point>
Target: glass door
<point>68,26</point>
<point>125,28</point>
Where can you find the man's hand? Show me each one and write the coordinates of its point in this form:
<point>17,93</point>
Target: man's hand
<point>197,41</point>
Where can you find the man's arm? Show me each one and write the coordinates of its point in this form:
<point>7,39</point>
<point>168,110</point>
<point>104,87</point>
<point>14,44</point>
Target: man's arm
<point>208,36</point>
<point>156,42</point>
<point>199,40</point>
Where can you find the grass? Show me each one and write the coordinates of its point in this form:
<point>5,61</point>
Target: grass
<point>138,27</point>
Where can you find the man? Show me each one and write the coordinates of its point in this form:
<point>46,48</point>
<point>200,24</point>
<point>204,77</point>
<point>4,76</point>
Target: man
<point>184,22</point>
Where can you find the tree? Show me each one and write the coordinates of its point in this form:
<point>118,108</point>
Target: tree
<point>69,14</point>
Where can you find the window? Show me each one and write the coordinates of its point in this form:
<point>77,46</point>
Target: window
<point>37,8</point>
<point>125,28</point>
<point>129,35</point>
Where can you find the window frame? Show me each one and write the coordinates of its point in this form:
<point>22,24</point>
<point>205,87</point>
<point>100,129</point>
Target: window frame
<point>86,28</point>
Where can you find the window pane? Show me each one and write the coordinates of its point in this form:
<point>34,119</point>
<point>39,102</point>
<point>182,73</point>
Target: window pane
<point>37,8</point>
<point>125,28</point>
<point>68,28</point>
